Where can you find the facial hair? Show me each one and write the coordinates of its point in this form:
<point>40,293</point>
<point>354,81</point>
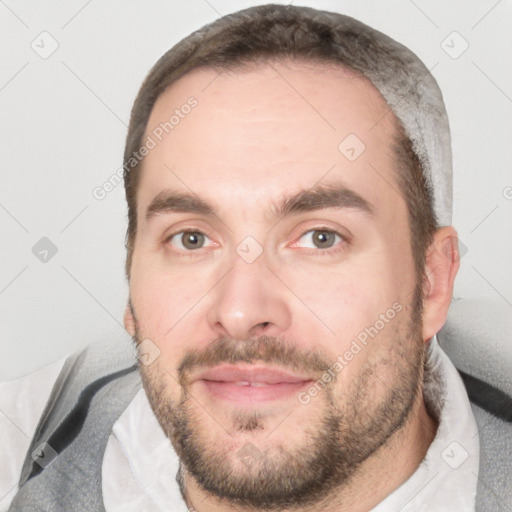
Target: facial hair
<point>348,429</point>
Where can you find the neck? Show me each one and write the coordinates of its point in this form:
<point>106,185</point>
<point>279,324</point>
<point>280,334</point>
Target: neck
<point>376,478</point>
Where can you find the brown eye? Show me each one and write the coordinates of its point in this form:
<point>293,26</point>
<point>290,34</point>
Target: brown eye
<point>188,240</point>
<point>320,239</point>
<point>324,239</point>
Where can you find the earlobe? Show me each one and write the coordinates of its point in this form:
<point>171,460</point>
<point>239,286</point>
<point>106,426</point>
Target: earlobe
<point>442,264</point>
<point>129,320</point>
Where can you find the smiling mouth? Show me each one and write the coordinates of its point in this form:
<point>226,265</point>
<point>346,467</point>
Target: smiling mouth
<point>249,383</point>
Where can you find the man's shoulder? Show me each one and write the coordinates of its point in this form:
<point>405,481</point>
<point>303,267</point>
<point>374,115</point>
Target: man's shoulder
<point>476,338</point>
<point>34,406</point>
<point>495,473</point>
<point>87,394</point>
<point>22,401</point>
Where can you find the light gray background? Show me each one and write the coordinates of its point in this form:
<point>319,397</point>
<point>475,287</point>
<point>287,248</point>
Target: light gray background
<point>64,122</point>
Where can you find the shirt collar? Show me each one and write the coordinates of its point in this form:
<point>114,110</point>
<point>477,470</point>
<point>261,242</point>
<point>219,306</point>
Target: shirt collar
<point>446,480</point>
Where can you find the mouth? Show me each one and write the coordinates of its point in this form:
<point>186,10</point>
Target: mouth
<point>245,384</point>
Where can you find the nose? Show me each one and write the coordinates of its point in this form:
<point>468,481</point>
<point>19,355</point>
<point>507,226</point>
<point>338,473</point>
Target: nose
<point>249,302</point>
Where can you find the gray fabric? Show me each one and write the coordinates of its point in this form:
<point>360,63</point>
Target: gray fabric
<point>494,491</point>
<point>72,482</point>
<point>478,339</point>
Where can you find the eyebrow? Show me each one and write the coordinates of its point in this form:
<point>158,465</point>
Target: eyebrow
<point>322,197</point>
<point>170,201</point>
<point>317,198</point>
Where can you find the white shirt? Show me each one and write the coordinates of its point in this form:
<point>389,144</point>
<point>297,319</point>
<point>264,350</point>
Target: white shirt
<point>140,465</point>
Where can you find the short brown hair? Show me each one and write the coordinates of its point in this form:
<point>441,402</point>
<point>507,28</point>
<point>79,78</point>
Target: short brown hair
<point>268,32</point>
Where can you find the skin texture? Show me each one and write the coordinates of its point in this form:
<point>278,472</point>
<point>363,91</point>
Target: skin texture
<point>256,137</point>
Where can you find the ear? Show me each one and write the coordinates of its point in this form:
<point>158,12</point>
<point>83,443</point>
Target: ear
<point>129,320</point>
<point>442,264</point>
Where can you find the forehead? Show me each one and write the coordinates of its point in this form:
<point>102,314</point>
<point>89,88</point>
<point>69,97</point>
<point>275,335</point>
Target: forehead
<point>260,132</point>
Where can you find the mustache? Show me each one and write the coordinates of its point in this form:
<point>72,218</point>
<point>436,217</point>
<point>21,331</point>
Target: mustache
<point>266,349</point>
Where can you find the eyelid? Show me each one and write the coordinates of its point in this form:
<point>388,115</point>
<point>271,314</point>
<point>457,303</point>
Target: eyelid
<point>344,240</point>
<point>168,238</point>
<point>319,225</point>
<point>186,225</point>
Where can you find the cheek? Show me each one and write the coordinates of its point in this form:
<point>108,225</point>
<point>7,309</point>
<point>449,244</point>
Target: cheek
<point>344,301</point>
<point>163,299</point>
<point>352,313</point>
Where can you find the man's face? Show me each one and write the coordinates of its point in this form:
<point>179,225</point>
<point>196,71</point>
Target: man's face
<point>272,269</point>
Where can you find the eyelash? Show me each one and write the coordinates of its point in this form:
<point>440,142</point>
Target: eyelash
<point>331,250</point>
<point>181,252</point>
<point>337,247</point>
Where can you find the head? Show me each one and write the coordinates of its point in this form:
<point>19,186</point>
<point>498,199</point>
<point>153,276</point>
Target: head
<point>282,229</point>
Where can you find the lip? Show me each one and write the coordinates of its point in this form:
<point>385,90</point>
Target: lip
<point>250,383</point>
